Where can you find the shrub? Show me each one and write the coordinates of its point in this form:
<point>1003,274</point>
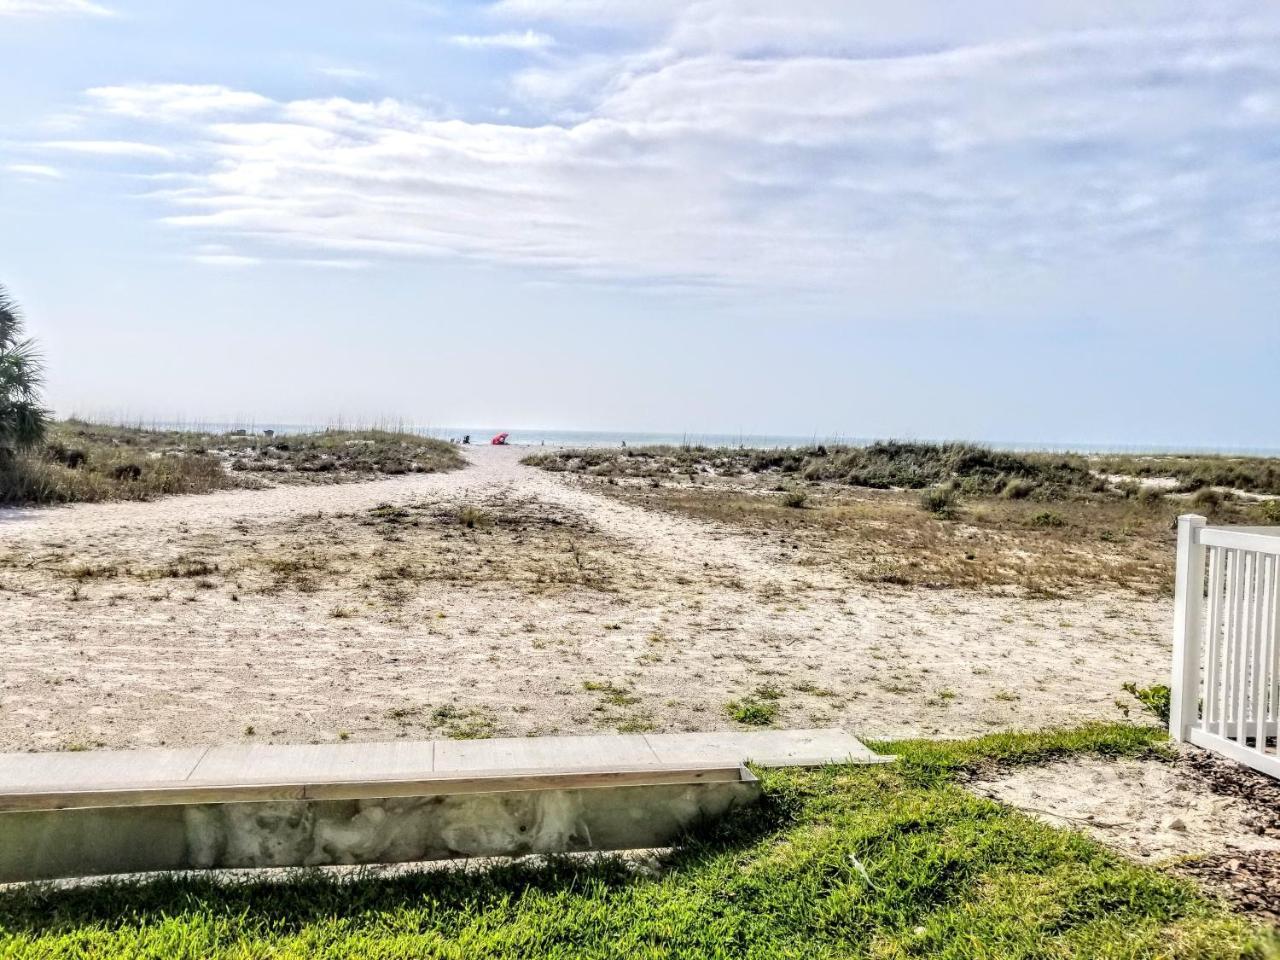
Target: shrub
<point>1018,489</point>
<point>1151,495</point>
<point>795,499</point>
<point>1207,500</point>
<point>1271,511</point>
<point>1048,519</point>
<point>940,501</point>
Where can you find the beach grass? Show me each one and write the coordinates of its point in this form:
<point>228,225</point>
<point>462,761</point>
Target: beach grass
<point>89,462</point>
<point>1029,524</point>
<point>880,861</point>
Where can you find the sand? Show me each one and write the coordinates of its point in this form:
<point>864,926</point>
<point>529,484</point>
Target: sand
<point>298,614</point>
<point>1153,811</point>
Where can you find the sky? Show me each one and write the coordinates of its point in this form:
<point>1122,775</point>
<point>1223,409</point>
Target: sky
<point>1050,222</point>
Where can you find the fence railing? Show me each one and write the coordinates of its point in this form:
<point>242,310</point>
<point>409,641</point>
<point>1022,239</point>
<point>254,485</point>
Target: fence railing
<point>1225,691</point>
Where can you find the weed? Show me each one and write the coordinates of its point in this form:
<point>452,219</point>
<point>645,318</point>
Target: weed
<point>613,695</point>
<point>752,712</point>
<point>1154,699</point>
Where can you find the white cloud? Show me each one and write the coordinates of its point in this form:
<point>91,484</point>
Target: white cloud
<point>596,12</point>
<point>48,8</point>
<point>758,151</point>
<point>112,148</point>
<point>232,260</point>
<point>529,40</point>
<point>346,74</point>
<point>174,101</point>
<point>37,170</point>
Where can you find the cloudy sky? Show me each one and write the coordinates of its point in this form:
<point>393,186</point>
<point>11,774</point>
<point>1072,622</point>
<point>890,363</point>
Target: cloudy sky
<point>1056,221</point>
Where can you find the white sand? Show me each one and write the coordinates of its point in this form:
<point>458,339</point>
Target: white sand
<point>1150,810</point>
<point>695,615</point>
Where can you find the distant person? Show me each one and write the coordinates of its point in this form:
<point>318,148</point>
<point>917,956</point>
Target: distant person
<point>467,438</point>
<point>624,444</point>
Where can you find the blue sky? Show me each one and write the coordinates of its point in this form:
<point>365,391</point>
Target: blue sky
<point>1056,221</point>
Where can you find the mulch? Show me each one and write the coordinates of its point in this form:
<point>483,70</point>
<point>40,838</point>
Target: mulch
<point>1249,880</point>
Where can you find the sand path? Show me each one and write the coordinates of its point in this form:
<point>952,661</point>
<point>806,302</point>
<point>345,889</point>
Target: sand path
<point>695,615</point>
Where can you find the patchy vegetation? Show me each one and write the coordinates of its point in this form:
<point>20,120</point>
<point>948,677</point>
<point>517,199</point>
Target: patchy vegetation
<point>879,466</point>
<point>84,462</point>
<point>1028,524</point>
<point>1252,474</point>
<point>883,861</point>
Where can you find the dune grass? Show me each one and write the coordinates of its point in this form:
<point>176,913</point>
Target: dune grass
<point>85,462</point>
<point>1027,524</point>
<point>971,468</point>
<point>885,862</point>
<point>880,465</point>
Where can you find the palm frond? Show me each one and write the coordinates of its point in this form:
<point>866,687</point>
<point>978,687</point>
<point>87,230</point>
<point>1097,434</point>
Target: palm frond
<point>23,419</point>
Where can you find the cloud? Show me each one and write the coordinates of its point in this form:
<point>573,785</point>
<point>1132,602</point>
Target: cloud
<point>111,148</point>
<point>50,8</point>
<point>595,12</point>
<point>347,74</point>
<point>232,260</point>
<point>37,170</point>
<point>759,152</point>
<point>171,101</point>
<point>529,40</point>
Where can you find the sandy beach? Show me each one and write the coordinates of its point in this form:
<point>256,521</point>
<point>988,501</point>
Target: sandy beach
<point>504,600</point>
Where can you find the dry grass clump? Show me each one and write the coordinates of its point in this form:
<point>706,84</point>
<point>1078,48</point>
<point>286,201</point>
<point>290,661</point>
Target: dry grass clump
<point>86,462</point>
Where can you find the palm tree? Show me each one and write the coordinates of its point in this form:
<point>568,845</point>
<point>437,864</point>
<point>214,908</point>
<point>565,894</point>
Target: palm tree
<point>22,418</point>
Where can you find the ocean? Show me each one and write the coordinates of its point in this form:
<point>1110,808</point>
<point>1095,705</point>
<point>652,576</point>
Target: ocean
<point>616,438</point>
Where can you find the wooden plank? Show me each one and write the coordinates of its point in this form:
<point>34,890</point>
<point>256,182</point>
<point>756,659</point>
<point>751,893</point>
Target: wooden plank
<point>99,767</point>
<point>532,753</point>
<point>438,784</point>
<point>768,748</point>
<point>397,759</point>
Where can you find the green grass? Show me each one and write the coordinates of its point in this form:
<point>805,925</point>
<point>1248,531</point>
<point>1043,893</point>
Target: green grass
<point>752,712</point>
<point>845,862</point>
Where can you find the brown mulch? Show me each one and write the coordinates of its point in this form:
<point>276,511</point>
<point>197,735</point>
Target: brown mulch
<point>1249,880</point>
<point>1229,779</point>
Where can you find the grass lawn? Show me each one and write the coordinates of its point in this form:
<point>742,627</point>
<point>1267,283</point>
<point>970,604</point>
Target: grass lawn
<point>896,861</point>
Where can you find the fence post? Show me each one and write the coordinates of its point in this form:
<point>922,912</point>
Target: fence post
<point>1188,627</point>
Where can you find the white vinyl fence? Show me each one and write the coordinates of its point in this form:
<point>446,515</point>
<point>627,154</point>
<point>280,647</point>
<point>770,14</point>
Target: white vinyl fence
<point>1225,692</point>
